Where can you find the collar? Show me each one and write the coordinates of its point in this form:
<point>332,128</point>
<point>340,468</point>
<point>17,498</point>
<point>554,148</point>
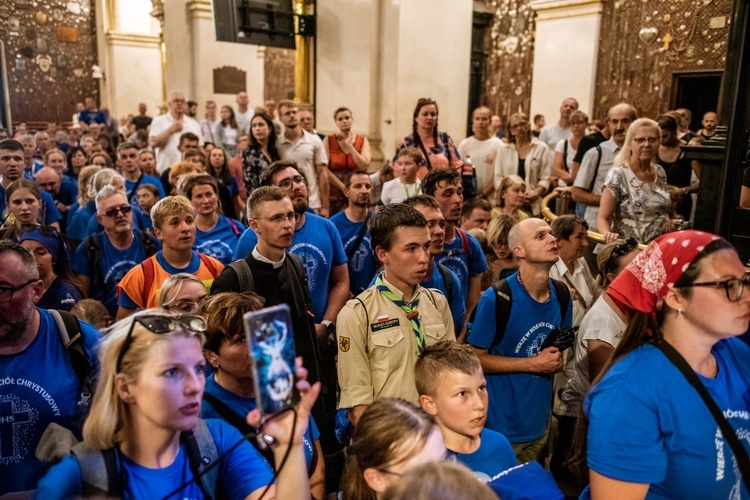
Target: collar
<point>398,292</point>
<point>284,140</point>
<point>563,269</point>
<point>261,258</point>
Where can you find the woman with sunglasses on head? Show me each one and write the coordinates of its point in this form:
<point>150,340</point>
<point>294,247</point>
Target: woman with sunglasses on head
<point>635,199</point>
<point>215,234</point>
<point>61,287</point>
<point>438,149</point>
<point>230,390</point>
<point>650,432</point>
<point>145,415</point>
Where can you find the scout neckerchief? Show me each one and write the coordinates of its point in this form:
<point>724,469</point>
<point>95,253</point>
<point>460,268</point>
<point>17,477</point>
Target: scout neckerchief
<point>410,309</point>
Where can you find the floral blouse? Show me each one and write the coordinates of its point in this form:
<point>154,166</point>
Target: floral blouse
<point>443,155</point>
<point>253,163</point>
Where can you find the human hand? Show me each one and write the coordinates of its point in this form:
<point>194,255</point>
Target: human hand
<point>548,361</point>
<point>176,126</point>
<point>610,236</point>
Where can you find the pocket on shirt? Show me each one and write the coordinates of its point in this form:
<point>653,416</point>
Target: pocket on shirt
<point>434,333</point>
<point>384,354</point>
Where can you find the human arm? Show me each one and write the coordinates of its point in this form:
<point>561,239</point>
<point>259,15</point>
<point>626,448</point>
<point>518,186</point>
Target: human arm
<point>124,312</point>
<point>361,159</point>
<point>599,353</point>
<point>603,487</point>
<point>318,479</point>
<point>545,168</point>
<point>85,283</point>
<point>607,208</point>
<point>160,139</point>
<point>353,367</point>
<point>333,180</point>
<point>354,414</point>
<point>338,294</point>
<point>580,195</point>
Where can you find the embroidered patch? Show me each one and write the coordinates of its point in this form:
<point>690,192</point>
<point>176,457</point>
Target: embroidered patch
<point>344,344</point>
<point>376,327</point>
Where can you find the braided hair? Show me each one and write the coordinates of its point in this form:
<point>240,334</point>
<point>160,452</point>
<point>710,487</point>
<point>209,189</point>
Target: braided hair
<point>422,102</point>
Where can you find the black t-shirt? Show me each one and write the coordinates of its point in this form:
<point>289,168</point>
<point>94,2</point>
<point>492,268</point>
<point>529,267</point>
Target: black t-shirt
<point>141,122</point>
<point>746,178</point>
<point>588,142</point>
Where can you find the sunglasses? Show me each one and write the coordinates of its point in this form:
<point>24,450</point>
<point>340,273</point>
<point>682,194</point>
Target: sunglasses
<point>112,212</point>
<point>158,324</point>
<point>620,250</point>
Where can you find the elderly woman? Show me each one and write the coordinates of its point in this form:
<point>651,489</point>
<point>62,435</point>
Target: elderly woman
<point>649,428</point>
<point>523,155</point>
<point>347,152</point>
<point>511,197</point>
<point>635,199</point>
<point>438,149</point>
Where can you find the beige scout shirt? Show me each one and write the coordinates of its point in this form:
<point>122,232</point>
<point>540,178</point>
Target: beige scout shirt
<point>378,348</point>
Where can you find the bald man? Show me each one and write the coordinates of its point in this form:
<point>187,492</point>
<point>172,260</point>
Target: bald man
<point>519,373</point>
<point>166,130</point>
<point>64,193</point>
<point>709,122</point>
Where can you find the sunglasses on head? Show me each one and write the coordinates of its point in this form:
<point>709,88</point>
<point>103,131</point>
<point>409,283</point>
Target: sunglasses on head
<point>620,250</point>
<point>158,324</point>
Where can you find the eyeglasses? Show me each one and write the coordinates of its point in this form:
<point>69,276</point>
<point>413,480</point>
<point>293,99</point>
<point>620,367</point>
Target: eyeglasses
<point>6,294</point>
<point>620,250</point>
<point>519,124</point>
<point>280,218</point>
<point>641,140</point>
<point>297,179</point>
<point>733,286</point>
<point>112,212</point>
<point>160,323</point>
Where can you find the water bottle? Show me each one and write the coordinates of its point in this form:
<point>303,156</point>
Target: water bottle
<point>468,179</point>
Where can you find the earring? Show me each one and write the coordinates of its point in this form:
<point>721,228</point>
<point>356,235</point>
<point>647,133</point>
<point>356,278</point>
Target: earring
<point>679,312</point>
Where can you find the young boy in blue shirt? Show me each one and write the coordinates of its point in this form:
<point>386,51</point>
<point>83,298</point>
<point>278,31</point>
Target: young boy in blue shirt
<point>452,388</point>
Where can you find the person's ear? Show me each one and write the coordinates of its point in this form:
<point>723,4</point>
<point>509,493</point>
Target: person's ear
<point>98,218</point>
<point>611,277</point>
<point>375,480</point>
<point>381,254</point>
<point>428,404</point>
<point>211,357</point>
<point>519,252</point>
<point>253,225</point>
<point>158,234</point>
<point>124,389</point>
<point>675,300</point>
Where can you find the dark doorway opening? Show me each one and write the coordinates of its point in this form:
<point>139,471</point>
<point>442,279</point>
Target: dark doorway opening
<point>698,92</point>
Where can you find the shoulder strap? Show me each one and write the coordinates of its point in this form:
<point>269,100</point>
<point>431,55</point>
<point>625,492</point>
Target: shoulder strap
<point>360,236</point>
<point>565,155</point>
<point>202,453</point>
<point>100,474</point>
<point>563,297</point>
<point>69,330</point>
<point>148,278</point>
<point>239,423</point>
<point>596,169</point>
<point>209,265</point>
<point>244,275</point>
<point>93,260</point>
<point>299,267</point>
<point>740,453</point>
<point>367,318</point>
<point>502,309</point>
<point>148,243</point>
<point>426,156</point>
<point>445,272</point>
<point>233,225</point>
<point>134,191</point>
<point>464,242</point>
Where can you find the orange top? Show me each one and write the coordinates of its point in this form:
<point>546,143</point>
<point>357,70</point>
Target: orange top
<point>337,159</point>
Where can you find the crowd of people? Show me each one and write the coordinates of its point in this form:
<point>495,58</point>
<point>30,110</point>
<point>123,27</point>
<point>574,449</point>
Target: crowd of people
<point>448,336</point>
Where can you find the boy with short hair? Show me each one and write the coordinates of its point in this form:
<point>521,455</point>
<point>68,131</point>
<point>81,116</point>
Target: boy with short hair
<point>406,184</point>
<point>452,388</point>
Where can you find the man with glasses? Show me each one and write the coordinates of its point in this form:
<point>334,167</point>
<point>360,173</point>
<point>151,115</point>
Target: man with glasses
<point>167,130</point>
<point>104,258</point>
<point>38,385</point>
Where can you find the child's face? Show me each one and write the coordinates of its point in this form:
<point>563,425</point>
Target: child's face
<point>146,199</point>
<point>460,403</point>
<point>407,169</point>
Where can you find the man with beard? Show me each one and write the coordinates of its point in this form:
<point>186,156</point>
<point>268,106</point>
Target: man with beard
<point>104,258</point>
<point>39,385</point>
<point>462,253</point>
<point>352,225</point>
<point>383,329</point>
<point>519,373</point>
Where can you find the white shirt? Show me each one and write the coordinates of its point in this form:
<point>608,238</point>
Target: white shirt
<point>482,155</point>
<point>551,135</point>
<point>168,155</point>
<point>244,119</point>
<point>582,280</point>
<point>395,191</point>
<point>586,174</point>
<point>307,152</point>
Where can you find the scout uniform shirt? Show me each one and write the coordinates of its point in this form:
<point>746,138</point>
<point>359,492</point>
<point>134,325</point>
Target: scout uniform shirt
<point>378,348</point>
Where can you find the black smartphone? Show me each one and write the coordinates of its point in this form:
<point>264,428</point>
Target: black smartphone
<point>271,340</point>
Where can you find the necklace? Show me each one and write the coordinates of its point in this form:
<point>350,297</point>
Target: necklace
<point>520,282</point>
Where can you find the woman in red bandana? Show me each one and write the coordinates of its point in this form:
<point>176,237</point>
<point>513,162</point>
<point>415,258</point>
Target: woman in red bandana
<point>650,434</point>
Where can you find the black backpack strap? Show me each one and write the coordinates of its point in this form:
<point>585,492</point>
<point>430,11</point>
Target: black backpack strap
<point>360,236</point>
<point>69,330</point>
<point>148,242</point>
<point>730,436</point>
<point>244,275</point>
<point>445,272</point>
<point>596,169</point>
<point>202,452</point>
<point>239,423</point>
<point>502,309</point>
<point>563,297</point>
<point>93,246</point>
<point>565,155</point>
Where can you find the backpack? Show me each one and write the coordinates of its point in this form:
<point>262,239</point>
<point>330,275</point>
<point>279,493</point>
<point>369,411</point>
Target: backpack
<point>503,304</point>
<point>234,226</point>
<point>100,470</point>
<point>464,242</point>
<point>245,275</point>
<point>445,272</point>
<point>148,273</point>
<point>69,331</point>
<point>93,254</point>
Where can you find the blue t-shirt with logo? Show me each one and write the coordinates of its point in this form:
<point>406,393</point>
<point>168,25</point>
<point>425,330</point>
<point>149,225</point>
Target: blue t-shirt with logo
<point>363,264</point>
<point>494,455</point>
<point>318,244</point>
<point>242,406</point>
<point>114,264</point>
<point>520,403</point>
<point>140,221</point>
<point>48,212</point>
<point>648,425</point>
<point>147,179</point>
<point>37,387</point>
<point>61,294</point>
<point>465,266</point>
<point>220,241</point>
<point>241,472</point>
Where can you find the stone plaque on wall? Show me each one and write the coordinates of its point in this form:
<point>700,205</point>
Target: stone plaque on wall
<point>229,80</point>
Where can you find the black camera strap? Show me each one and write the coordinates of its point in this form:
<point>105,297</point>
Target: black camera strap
<point>740,453</point>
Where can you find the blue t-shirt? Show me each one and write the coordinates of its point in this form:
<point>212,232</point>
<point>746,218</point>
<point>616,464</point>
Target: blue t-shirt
<point>114,264</point>
<point>520,403</point>
<point>88,117</point>
<point>48,212</point>
<point>465,266</point>
<point>37,387</point>
<point>79,221</point>
<point>495,454</point>
<point>68,191</point>
<point>318,244</point>
<point>363,264</point>
<point>147,179</point>
<point>140,221</point>
<point>220,241</point>
<point>242,406</point>
<point>241,472</point>
<point>648,425</point>
<point>60,295</point>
